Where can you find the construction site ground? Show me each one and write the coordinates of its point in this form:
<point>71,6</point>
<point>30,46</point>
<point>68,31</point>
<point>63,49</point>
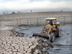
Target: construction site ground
<point>63,44</point>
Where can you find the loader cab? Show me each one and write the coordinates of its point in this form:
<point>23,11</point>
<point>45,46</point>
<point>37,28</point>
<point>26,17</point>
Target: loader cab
<point>53,22</point>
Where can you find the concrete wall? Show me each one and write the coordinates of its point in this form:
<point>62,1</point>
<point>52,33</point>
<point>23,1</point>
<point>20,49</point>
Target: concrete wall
<point>41,20</point>
<point>36,18</point>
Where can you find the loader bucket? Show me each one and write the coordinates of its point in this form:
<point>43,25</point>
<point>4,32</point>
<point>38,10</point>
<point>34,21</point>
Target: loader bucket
<point>43,35</point>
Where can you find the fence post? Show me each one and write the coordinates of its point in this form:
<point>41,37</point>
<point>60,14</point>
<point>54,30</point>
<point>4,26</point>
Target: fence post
<point>30,21</point>
<point>40,20</point>
<point>71,20</point>
<point>64,19</point>
<point>27,21</point>
<point>58,19</point>
<point>37,20</point>
<point>17,21</point>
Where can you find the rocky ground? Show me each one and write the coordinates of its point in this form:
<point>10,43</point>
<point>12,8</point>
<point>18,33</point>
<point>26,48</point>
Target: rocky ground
<point>34,45</point>
<point>12,45</point>
<point>22,45</point>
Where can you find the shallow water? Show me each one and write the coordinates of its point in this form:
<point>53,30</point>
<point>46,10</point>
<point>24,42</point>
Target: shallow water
<point>30,31</point>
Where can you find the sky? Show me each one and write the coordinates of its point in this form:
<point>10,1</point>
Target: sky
<point>35,5</point>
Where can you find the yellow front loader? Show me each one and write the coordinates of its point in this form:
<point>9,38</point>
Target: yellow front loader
<point>51,30</point>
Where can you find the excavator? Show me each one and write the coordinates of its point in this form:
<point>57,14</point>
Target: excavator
<point>50,31</point>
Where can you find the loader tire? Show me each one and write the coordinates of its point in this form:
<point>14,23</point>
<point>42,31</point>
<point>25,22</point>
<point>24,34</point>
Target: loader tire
<point>58,33</point>
<point>52,37</point>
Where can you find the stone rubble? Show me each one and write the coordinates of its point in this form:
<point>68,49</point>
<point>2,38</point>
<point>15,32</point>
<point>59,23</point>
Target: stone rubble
<point>16,45</point>
<point>23,45</point>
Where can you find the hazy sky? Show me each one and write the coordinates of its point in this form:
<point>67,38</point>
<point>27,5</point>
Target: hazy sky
<point>34,4</point>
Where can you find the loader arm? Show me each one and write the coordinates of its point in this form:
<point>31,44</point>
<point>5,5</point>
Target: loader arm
<point>42,31</point>
<point>47,29</point>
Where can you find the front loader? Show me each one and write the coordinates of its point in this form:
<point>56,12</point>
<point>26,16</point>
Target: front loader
<point>50,31</point>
